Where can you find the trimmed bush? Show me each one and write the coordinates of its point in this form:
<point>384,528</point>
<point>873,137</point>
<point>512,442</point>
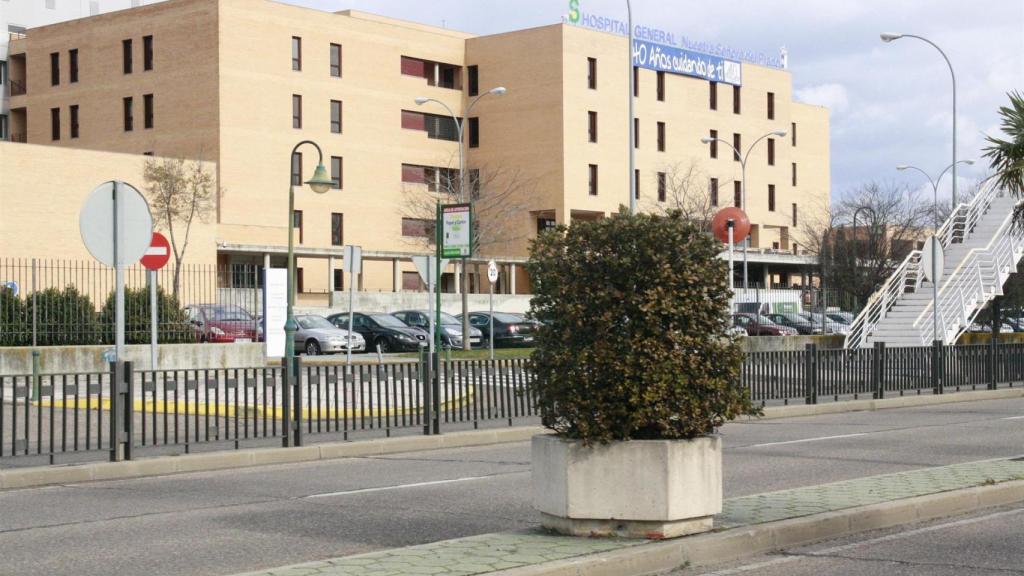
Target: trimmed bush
<point>15,329</point>
<point>63,317</point>
<point>174,327</point>
<point>633,344</point>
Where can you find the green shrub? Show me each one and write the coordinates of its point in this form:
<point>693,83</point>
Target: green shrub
<point>15,330</point>
<point>633,345</point>
<point>63,317</point>
<point>173,323</point>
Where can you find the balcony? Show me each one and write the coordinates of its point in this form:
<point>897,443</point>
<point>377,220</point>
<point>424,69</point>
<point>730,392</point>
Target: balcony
<point>17,88</point>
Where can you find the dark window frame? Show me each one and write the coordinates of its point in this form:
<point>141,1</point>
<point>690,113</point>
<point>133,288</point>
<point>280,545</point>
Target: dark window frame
<point>296,169</point>
<point>662,186</point>
<point>297,111</point>
<point>73,119</point>
<point>337,229</point>
<point>592,179</point>
<point>73,65</point>
<point>473,79</point>
<point>147,53</point>
<point>737,193</point>
<point>771,151</point>
<point>737,144</point>
<point>636,81</point>
<point>474,132</point>
<point>336,125</point>
<point>591,126</point>
<point>147,111</point>
<point>636,133</point>
<point>661,136</point>
<point>794,214</point>
<point>54,68</point>
<point>592,73</point>
<point>337,176</point>
<point>713,145</point>
<point>736,102</point>
<point>661,85</point>
<point>793,171</point>
<point>297,223</point>
<point>335,54</point>
<point>636,183</point>
<point>713,95</point>
<point>297,53</point>
<point>771,105</point>
<point>771,197</point>
<point>129,113</point>
<point>126,55</point>
<point>713,191</point>
<point>792,132</point>
<point>55,124</point>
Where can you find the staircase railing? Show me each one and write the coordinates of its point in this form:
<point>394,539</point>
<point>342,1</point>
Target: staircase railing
<point>962,220</point>
<point>906,278</point>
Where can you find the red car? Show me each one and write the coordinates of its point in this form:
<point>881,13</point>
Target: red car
<point>223,323</point>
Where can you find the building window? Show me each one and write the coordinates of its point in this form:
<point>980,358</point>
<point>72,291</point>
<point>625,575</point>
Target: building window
<point>296,53</point>
<point>296,111</point>
<point>55,123</point>
<point>736,143</point>
<point>636,81</point>
<point>300,278</point>
<point>592,73</point>
<point>147,108</point>
<point>713,95</point>
<point>771,106</point>
<point>337,231</point>
<point>129,119</point>
<point>775,245</point>
<point>713,191</point>
<point>792,132</point>
<point>473,78</point>
<point>474,132</point>
<point>3,72</point>
<point>592,126</point>
<point>335,117</point>
<point>435,73</point>
<point>339,280</point>
<point>3,127</point>
<point>74,120</point>
<point>636,133</point>
<point>661,136</point>
<point>336,172</point>
<point>147,52</point>
<point>55,69</point>
<point>545,224</point>
<point>592,182</point>
<point>73,65</point>
<point>735,99</point>
<point>794,214</point>
<point>126,49</point>
<point>662,186</point>
<point>661,86</point>
<point>297,169</point>
<point>297,224</point>
<point>418,227</point>
<point>771,197</point>
<point>336,60</point>
<point>737,194</point>
<point>794,173</point>
<point>771,151</point>
<point>636,183</point>
<point>437,127</point>
<point>713,145</point>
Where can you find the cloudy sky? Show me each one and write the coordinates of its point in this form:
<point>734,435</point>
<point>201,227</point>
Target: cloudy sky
<point>890,103</point>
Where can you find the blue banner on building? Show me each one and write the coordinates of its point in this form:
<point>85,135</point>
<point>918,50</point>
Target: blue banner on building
<point>674,60</point>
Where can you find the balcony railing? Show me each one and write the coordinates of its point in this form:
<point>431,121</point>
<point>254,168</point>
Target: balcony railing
<point>12,36</point>
<point>17,88</point>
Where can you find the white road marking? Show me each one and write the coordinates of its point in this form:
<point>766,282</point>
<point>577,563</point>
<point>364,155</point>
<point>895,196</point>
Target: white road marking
<point>872,541</point>
<point>1013,418</point>
<point>818,439</point>
<point>403,486</point>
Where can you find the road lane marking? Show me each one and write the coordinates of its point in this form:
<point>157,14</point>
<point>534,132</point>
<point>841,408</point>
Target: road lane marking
<point>413,485</point>
<point>1013,418</point>
<point>802,440</point>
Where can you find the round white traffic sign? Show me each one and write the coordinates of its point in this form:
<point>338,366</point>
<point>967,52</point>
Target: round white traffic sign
<point>492,271</point>
<point>134,223</point>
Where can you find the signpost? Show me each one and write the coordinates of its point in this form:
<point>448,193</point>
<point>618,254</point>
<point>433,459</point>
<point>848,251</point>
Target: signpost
<point>116,228</point>
<point>351,262</point>
<point>426,265</point>
<point>492,277</point>
<point>156,257</point>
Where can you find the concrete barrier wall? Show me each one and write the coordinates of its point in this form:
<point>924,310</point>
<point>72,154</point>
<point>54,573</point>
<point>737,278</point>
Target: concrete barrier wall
<point>784,343</point>
<point>68,359</point>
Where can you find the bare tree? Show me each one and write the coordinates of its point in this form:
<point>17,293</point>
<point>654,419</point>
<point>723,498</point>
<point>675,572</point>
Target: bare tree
<point>688,192</point>
<point>891,222</point>
<point>180,193</point>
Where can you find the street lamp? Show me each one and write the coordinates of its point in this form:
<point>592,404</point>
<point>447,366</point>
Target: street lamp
<point>421,100</point>
<point>632,122</point>
<point>855,213</point>
<point>320,182</point>
<point>935,239</point>
<point>889,37</point>
<point>743,184</point>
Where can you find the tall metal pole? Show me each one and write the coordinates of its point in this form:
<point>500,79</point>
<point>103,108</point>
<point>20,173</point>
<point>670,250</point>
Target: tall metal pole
<point>743,206</point>
<point>152,319</point>
<point>632,127</point>
<point>118,272</point>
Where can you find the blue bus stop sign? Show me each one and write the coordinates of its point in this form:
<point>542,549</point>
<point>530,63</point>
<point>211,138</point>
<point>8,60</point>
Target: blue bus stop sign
<point>10,285</point>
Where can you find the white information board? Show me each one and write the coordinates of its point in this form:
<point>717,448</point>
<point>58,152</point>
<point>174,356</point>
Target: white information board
<point>275,311</point>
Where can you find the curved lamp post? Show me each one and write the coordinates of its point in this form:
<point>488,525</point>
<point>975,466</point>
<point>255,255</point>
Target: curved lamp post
<point>421,100</point>
<point>935,225</point>
<point>743,183</point>
<point>889,37</point>
<point>855,213</point>
<point>320,182</point>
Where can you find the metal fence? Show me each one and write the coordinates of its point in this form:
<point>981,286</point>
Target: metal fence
<point>64,417</point>
<point>68,302</point>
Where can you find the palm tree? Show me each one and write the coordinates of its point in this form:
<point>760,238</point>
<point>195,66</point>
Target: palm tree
<point>1006,157</point>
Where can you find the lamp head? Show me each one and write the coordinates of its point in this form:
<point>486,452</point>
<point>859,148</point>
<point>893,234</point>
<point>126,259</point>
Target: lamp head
<point>500,90</point>
<point>421,100</point>
<point>902,167</point>
<point>320,182</point>
<point>889,37</point>
<point>969,161</point>
<point>779,133</point>
<point>707,140</point>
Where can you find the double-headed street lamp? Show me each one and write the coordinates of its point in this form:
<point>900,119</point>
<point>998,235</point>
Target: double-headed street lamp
<point>743,183</point>
<point>935,238</point>
<point>889,37</point>
<point>320,182</point>
<point>421,100</point>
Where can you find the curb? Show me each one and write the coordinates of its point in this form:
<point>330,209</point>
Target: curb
<point>162,465</point>
<point>733,544</point>
<point>842,406</point>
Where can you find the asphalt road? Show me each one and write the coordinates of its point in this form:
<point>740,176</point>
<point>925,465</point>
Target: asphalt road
<point>234,521</point>
<point>987,543</point>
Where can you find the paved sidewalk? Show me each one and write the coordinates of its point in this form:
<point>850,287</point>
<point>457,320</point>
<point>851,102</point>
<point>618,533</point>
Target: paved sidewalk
<point>493,552</point>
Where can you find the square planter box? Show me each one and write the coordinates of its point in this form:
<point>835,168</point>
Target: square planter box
<point>640,488</point>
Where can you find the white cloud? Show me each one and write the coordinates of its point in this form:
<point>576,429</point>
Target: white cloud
<point>832,96</point>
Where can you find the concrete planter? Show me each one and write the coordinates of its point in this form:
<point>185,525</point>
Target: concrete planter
<point>640,488</point>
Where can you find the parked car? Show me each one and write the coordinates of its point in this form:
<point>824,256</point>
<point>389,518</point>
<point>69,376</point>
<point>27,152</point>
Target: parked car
<point>758,325</point>
<point>221,323</point>
<point>831,326</point>
<point>797,322</point>
<point>735,331</point>
<point>841,317</point>
<point>986,328</point>
<point>451,327</point>
<point>1016,323</point>
<point>383,331</point>
<point>509,329</point>
<point>316,335</point>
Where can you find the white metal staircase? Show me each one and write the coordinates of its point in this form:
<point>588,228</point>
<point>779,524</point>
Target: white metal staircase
<point>981,248</point>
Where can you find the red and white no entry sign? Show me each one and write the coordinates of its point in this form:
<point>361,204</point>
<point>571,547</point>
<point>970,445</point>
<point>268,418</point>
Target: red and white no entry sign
<point>158,253</point>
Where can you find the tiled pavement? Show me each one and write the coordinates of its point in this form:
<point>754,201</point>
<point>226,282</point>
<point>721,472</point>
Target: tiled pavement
<point>492,552</point>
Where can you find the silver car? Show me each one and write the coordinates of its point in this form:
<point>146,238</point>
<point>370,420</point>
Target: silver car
<point>316,335</point>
